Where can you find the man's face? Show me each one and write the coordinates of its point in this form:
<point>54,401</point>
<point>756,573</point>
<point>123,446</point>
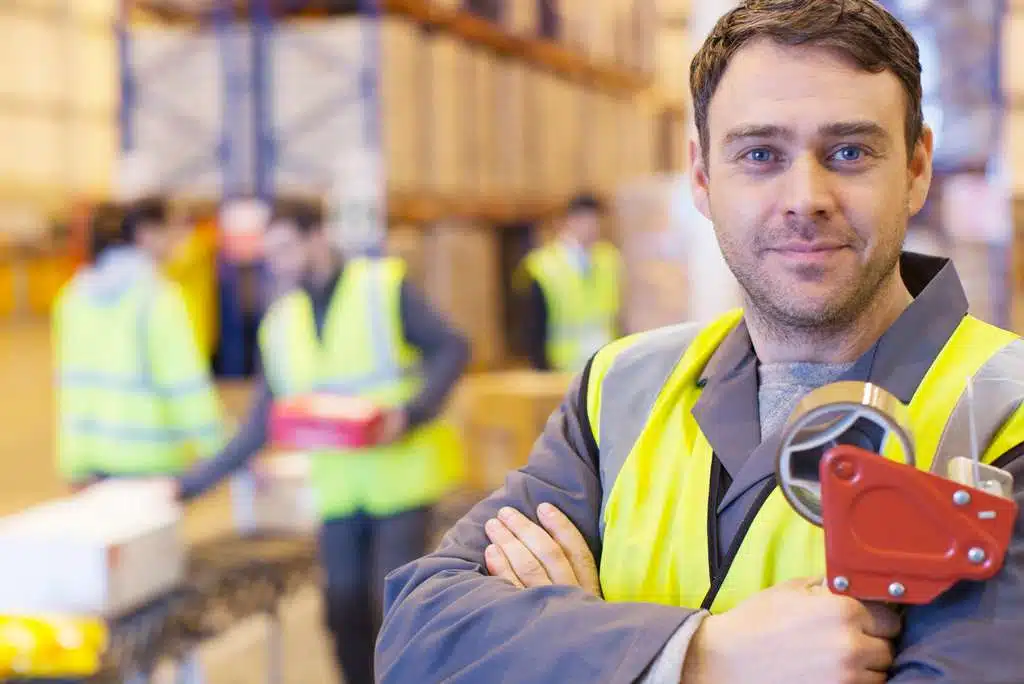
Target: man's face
<point>584,226</point>
<point>156,239</point>
<point>807,181</point>
<point>287,253</point>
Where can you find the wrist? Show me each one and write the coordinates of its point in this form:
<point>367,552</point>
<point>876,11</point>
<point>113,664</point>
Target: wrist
<point>702,653</point>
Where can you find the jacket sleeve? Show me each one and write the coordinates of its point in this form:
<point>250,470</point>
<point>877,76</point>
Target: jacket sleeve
<point>445,354</point>
<point>182,375</point>
<point>972,633</point>
<point>248,442</point>
<point>536,328</point>
<point>447,620</point>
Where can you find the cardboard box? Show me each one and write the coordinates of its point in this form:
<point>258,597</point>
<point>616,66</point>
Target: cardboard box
<point>502,415</point>
<point>464,283</point>
<point>324,421</point>
<point>522,18</point>
<point>276,498</point>
<point>445,115</point>
<point>408,244</point>
<point>103,552</point>
<point>403,96</point>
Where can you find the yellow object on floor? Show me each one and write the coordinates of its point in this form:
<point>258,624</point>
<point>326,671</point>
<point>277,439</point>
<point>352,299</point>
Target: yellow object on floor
<point>46,274</point>
<point>51,646</point>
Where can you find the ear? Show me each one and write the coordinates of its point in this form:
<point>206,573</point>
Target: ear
<point>699,180</point>
<point>919,171</point>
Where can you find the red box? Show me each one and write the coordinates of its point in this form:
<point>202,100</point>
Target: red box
<point>324,421</point>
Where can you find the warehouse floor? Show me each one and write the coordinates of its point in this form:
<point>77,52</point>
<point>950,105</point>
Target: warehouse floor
<point>26,459</point>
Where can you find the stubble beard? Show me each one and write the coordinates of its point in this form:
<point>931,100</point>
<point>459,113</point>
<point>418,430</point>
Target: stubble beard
<point>772,305</point>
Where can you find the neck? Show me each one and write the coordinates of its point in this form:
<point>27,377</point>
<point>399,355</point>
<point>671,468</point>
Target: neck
<point>840,343</point>
<point>322,269</point>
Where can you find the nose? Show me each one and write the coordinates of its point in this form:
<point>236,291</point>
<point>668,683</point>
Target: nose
<point>808,192</point>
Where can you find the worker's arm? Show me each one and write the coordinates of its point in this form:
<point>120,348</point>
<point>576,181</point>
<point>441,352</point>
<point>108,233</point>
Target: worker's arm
<point>537,327</point>
<point>239,451</point>
<point>446,619</point>
<point>973,633</point>
<point>182,374</point>
<point>445,354</point>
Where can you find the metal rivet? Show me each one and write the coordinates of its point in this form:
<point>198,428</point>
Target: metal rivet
<point>840,583</point>
<point>896,590</point>
<point>961,497</point>
<point>976,555</point>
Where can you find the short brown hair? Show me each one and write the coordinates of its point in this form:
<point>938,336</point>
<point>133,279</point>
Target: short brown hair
<point>859,30</point>
<point>306,213</point>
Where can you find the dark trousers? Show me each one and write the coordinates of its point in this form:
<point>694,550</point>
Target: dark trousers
<point>357,553</point>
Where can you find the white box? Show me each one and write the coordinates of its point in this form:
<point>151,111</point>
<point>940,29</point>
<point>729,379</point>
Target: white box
<point>277,499</point>
<point>103,552</point>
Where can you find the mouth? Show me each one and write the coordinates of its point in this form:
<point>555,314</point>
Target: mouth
<point>808,251</point>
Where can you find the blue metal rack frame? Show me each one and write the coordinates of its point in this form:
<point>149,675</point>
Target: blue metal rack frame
<point>248,88</point>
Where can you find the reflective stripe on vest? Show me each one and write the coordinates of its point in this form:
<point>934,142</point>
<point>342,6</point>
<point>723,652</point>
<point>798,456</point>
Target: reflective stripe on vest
<point>581,309</point>
<point>362,352</point>
<point>655,464</point>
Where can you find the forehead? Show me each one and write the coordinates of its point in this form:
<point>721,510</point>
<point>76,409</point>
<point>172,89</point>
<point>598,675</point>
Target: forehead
<point>802,87</point>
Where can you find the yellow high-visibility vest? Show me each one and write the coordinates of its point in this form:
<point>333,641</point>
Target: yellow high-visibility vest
<point>134,395</point>
<point>363,352</point>
<point>655,516</point>
<point>582,308</point>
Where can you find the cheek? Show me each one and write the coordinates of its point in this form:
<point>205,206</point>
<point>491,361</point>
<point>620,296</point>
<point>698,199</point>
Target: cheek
<point>740,216</point>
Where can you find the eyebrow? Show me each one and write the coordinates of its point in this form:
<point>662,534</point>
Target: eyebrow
<point>839,129</point>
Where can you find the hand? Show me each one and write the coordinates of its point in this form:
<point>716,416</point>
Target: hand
<point>797,631</point>
<point>393,426</point>
<point>528,555</point>
<point>79,486</point>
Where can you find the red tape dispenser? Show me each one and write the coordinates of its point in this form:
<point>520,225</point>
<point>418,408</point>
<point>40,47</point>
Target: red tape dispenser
<point>893,532</point>
<point>324,421</point>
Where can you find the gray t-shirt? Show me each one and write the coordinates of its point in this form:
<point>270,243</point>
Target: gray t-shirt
<point>782,385</point>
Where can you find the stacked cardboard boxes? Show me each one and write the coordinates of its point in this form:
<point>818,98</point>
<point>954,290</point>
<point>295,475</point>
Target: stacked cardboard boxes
<point>463,282</point>
<point>501,416</point>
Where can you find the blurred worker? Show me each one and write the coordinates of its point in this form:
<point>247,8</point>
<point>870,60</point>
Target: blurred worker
<point>356,327</point>
<point>664,551</point>
<point>573,291</point>
<point>134,395</point>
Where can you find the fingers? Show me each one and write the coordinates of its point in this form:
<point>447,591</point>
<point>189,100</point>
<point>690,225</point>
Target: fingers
<point>498,566</point>
<point>879,620</point>
<point>875,654</point>
<point>535,558</point>
<point>572,544</point>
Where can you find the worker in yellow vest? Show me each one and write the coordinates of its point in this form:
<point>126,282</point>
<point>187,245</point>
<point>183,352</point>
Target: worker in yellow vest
<point>572,287</point>
<point>134,395</point>
<point>646,540</point>
<point>354,327</point>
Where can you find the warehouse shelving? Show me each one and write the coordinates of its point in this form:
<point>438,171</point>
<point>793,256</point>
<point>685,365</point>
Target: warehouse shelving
<point>417,206</point>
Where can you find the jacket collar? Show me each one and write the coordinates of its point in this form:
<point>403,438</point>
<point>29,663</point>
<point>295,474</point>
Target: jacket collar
<point>727,410</point>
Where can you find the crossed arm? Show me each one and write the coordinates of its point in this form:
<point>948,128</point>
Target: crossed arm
<point>521,597</point>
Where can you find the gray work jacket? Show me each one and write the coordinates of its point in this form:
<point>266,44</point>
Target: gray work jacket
<point>447,620</point>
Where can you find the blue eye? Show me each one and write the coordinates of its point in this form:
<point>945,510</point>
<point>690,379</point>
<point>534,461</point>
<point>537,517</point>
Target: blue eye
<point>760,155</point>
<point>849,153</point>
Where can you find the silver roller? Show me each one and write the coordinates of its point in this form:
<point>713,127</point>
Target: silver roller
<point>855,413</point>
